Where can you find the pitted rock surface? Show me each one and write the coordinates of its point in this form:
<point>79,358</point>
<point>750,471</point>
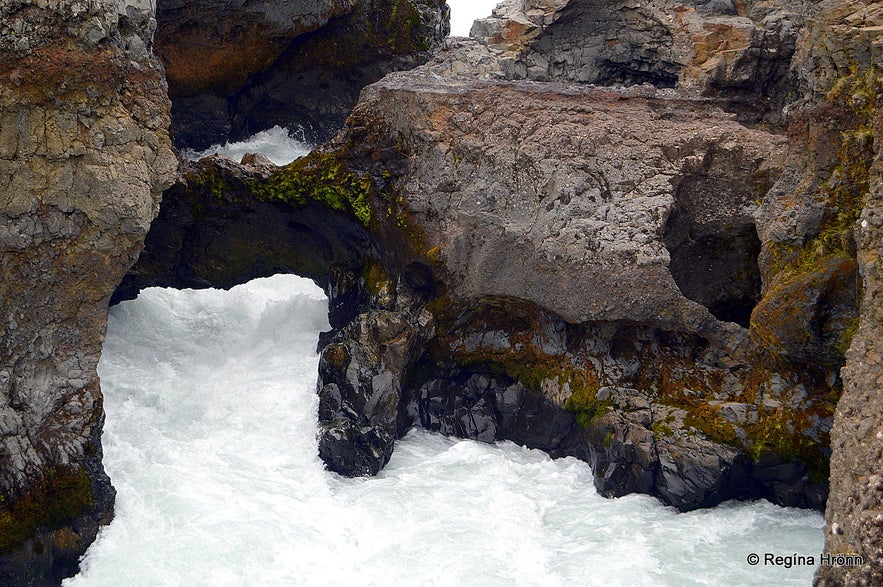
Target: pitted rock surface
<point>576,218</point>
<point>84,157</point>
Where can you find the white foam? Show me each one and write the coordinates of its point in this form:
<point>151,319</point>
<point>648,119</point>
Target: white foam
<point>210,442</point>
<point>277,143</point>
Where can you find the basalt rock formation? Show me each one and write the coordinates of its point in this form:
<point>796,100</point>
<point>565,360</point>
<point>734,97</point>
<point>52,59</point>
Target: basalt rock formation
<point>236,67</point>
<point>608,272</point>
<point>541,213</point>
<point>643,234</point>
<point>84,157</point>
<point>738,52</point>
<point>846,55</point>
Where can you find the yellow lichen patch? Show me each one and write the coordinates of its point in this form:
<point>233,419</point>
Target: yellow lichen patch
<point>378,283</point>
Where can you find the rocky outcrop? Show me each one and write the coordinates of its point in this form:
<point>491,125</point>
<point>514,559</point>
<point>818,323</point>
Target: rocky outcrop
<point>641,275</point>
<point>842,62</point>
<point>360,387</point>
<point>525,192</point>
<point>739,52</point>
<point>217,45</point>
<point>236,67</point>
<point>524,236</point>
<point>532,191</point>
<point>224,223</point>
<point>84,157</point>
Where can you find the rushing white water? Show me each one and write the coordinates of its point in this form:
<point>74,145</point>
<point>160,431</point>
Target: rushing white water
<point>210,442</point>
<point>277,143</point>
<point>464,13</point>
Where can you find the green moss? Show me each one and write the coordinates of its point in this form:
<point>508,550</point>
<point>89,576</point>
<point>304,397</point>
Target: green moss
<point>704,417</point>
<point>660,429</point>
<point>847,335</point>
<point>319,177</point>
<point>857,98</point>
<point>859,94</point>
<point>212,181</point>
<point>775,433</point>
<point>60,498</point>
<point>608,440</point>
<point>586,407</point>
<point>377,282</point>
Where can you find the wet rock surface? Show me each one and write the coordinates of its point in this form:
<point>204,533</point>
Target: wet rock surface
<point>488,408</point>
<point>360,388</point>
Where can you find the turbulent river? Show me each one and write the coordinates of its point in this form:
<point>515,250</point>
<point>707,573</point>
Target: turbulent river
<point>210,442</point>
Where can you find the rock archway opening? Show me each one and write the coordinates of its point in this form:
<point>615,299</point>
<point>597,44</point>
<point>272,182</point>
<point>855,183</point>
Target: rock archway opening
<point>212,232</point>
<point>711,233</point>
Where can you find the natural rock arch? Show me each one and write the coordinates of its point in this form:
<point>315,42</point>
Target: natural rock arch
<point>213,231</point>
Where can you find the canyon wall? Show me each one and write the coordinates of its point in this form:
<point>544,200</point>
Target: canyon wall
<point>84,157</point>
<point>646,235</point>
<point>844,52</point>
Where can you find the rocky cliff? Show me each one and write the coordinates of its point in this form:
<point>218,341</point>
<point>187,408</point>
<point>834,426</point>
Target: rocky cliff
<point>643,234</point>
<point>236,67</point>
<point>85,153</point>
<point>655,277</point>
<point>846,55</point>
<point>84,157</point>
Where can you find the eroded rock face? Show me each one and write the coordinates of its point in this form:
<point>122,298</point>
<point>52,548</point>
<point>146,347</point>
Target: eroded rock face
<point>84,157</point>
<point>845,67</point>
<point>632,220</point>
<point>534,191</point>
<point>236,67</point>
<point>216,45</point>
<point>360,387</point>
<point>628,274</point>
<point>542,211</point>
<point>737,51</point>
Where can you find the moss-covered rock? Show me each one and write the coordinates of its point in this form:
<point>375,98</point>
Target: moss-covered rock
<point>318,177</point>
